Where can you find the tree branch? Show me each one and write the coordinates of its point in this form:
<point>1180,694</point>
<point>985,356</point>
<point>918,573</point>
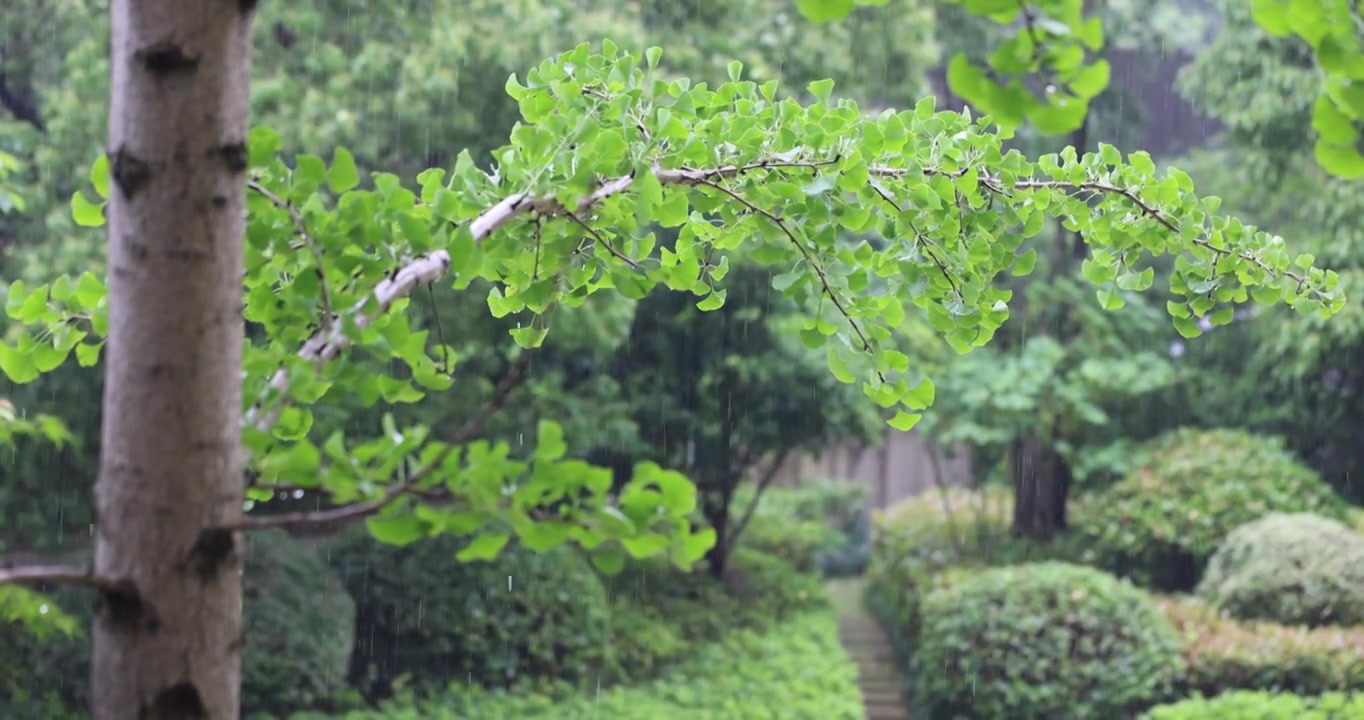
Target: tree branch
<point>427,269</point>
<point>64,575</point>
<point>769,475</point>
<point>466,432</point>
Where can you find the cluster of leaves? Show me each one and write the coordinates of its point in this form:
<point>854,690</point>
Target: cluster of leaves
<point>1296,569</point>
<point>1163,521</point>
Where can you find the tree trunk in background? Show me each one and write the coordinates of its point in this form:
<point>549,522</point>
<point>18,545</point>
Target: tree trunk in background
<point>1041,483</point>
<point>171,462</point>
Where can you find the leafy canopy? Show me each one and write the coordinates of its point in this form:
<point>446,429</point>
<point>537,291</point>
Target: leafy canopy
<point>1054,38</point>
<point>608,150</point>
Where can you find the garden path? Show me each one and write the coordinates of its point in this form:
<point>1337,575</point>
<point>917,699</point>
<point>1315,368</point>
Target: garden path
<point>867,644</point>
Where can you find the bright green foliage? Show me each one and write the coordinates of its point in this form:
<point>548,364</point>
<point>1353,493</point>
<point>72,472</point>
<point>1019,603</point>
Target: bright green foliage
<point>1165,519</point>
<point>1045,640</point>
<point>1331,29</point>
<point>300,627</point>
<point>606,147</point>
<point>1263,706</point>
<point>424,613</point>
<point>42,662</point>
<point>1296,569</point>
<point>797,668</point>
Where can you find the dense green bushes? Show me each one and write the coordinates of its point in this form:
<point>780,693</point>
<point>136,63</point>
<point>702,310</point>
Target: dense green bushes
<point>1263,706</point>
<point>820,525</point>
<point>795,669</point>
<point>1296,569</point>
<point>1222,654</point>
<point>425,616</point>
<point>1044,640</point>
<point>1162,522</point>
<point>299,625</point>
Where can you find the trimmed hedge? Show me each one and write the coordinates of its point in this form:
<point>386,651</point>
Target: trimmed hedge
<point>1222,654</point>
<point>1161,523</point>
<point>1296,569</point>
<point>793,669</point>
<point>1039,641</point>
<point>427,618</point>
<point>1263,706</point>
<point>299,632</point>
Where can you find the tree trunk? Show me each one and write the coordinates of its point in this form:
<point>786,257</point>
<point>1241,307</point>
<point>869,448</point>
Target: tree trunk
<point>1041,481</point>
<point>716,512</point>
<point>171,458</point>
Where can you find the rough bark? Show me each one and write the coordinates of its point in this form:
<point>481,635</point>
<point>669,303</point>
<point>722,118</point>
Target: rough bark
<point>171,461</point>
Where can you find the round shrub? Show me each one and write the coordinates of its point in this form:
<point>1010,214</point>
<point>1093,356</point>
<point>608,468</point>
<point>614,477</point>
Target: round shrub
<point>1161,523</point>
<point>1263,706</point>
<point>424,614</point>
<point>1039,641</point>
<point>1295,569</point>
<point>300,626</point>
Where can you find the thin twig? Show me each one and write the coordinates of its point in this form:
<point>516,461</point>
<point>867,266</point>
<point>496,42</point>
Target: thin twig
<point>823,279</point>
<point>768,476</point>
<point>602,241</point>
<point>301,227</point>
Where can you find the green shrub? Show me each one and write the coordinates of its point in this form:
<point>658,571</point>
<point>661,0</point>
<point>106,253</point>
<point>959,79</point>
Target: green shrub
<point>424,616</point>
<point>1042,641</point>
<point>1296,569</point>
<point>792,669</point>
<point>820,525</point>
<point>760,589</point>
<point>299,632</point>
<point>1161,523</point>
<point>1263,706</point>
<point>1222,654</point>
<point>797,541</point>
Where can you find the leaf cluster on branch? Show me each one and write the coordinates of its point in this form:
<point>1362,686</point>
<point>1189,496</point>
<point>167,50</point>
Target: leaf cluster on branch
<point>608,151</point>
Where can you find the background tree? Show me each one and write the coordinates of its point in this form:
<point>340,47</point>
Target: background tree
<point>720,394</point>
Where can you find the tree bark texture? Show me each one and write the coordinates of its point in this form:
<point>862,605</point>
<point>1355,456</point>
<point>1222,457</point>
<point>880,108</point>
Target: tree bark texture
<point>171,458</point>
